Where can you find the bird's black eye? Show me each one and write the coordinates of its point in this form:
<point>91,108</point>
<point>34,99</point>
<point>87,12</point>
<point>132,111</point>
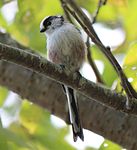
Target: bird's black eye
<point>48,23</point>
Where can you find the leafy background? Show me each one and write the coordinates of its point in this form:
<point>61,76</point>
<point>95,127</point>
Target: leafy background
<point>20,126</point>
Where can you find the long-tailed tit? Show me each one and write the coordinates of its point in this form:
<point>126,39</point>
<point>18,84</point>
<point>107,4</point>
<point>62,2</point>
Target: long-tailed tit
<point>65,46</point>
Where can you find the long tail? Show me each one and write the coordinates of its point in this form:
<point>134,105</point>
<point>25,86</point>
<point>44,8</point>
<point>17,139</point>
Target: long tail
<point>74,114</point>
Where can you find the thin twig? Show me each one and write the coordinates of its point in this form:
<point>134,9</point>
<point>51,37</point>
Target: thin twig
<point>131,93</point>
<point>66,12</point>
<point>89,56</point>
<point>92,63</point>
<point>100,4</point>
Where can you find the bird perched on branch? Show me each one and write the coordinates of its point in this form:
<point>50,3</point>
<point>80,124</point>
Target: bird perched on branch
<point>66,47</point>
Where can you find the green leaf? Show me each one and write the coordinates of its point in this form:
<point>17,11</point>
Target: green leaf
<point>1,4</point>
<point>37,123</point>
<point>3,95</point>
<point>130,65</point>
<point>3,141</point>
<point>129,20</point>
<point>107,77</point>
<point>3,22</point>
<point>26,25</point>
<point>108,145</point>
<point>7,137</point>
<point>89,5</point>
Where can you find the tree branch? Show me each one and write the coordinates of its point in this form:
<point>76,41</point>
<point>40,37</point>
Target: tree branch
<point>89,57</point>
<point>87,26</point>
<point>111,124</point>
<point>68,17</point>
<point>61,75</point>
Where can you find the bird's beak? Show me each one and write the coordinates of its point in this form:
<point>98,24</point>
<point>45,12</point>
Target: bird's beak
<point>42,30</point>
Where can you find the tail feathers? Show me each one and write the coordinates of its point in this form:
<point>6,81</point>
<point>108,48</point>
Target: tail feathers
<point>77,134</point>
<point>74,115</point>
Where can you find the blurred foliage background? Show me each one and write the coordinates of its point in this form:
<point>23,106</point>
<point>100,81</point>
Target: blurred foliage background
<point>25,126</point>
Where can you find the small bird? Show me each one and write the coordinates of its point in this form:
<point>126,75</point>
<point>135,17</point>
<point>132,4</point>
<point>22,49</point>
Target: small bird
<point>66,47</point>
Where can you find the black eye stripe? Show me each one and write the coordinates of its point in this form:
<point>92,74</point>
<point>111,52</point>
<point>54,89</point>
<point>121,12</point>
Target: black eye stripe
<point>48,20</point>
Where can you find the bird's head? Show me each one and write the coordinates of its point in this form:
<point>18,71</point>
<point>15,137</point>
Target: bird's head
<point>51,23</point>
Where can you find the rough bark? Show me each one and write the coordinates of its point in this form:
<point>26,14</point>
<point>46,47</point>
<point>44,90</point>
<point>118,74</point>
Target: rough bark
<point>62,75</point>
<point>114,125</point>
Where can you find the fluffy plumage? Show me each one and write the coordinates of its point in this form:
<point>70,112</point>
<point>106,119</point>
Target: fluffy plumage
<point>66,47</point>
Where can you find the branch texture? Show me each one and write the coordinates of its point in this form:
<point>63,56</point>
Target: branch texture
<point>41,65</point>
<point>112,124</point>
